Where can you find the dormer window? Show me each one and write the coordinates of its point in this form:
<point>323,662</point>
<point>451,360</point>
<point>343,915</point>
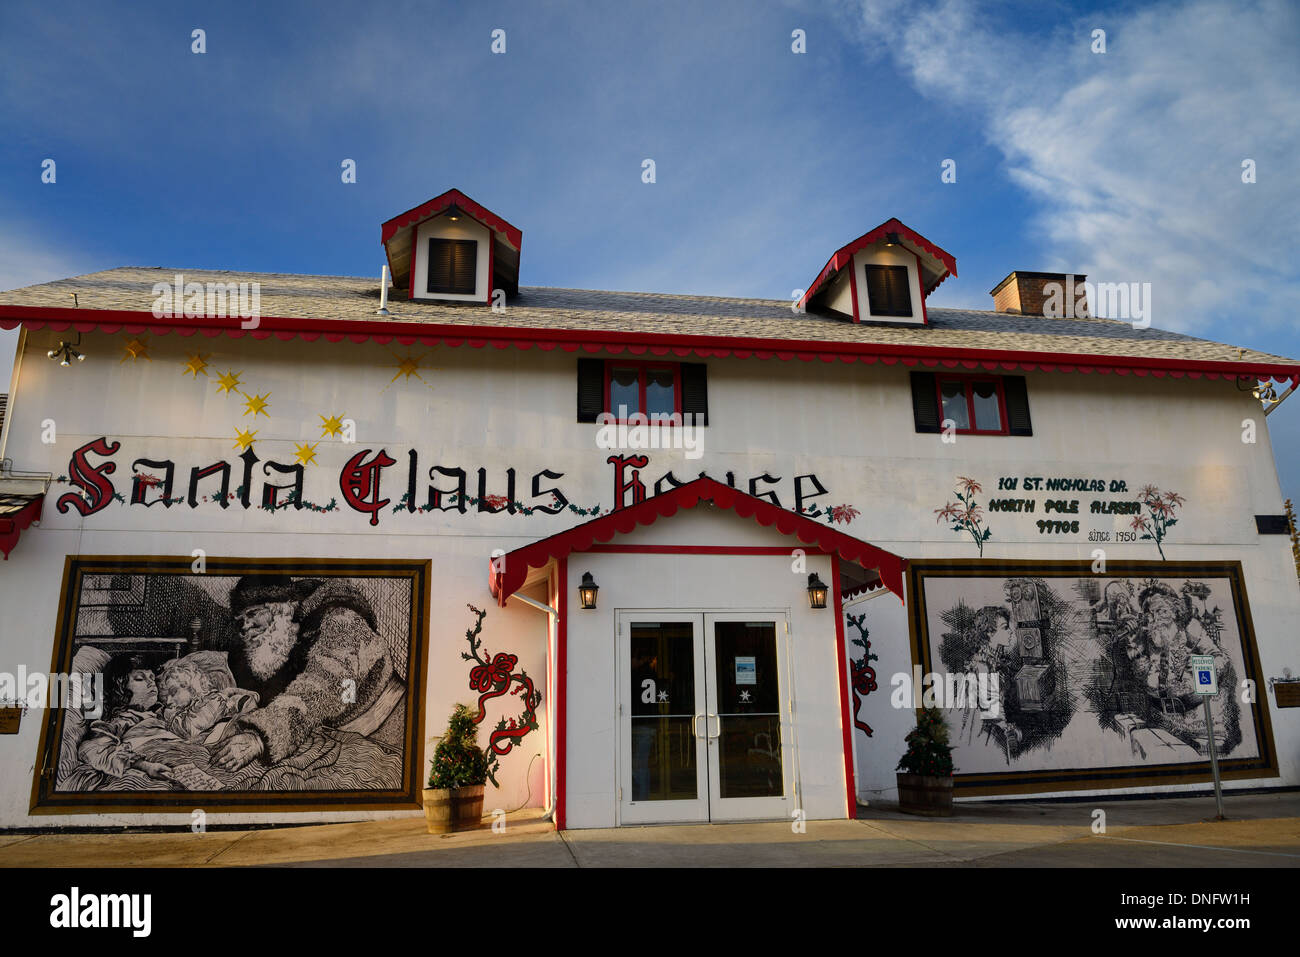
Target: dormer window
<point>882,276</point>
<point>451,249</point>
<point>887,291</point>
<point>453,266</point>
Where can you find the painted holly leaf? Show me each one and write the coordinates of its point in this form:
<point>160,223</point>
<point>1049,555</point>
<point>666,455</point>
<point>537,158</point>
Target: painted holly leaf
<point>987,533</point>
<point>1172,521</point>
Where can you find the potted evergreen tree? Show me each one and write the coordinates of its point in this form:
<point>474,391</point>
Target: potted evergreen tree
<point>925,778</point>
<point>454,798</point>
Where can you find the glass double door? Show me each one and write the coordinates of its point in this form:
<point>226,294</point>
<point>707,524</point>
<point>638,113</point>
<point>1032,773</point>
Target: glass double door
<point>704,730</point>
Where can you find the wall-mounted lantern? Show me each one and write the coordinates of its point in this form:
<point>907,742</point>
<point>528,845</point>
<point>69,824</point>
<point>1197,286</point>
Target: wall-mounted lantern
<point>587,591</point>
<point>816,591</point>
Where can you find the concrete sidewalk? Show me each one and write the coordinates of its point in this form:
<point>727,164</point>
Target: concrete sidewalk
<point>1263,830</point>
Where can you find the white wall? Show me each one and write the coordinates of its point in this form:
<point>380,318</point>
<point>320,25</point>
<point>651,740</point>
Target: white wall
<point>887,256</point>
<point>443,228</point>
<point>851,425</point>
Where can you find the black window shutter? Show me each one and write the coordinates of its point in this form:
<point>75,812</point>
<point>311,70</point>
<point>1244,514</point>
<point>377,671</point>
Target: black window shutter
<point>1272,525</point>
<point>1013,387</point>
<point>453,266</point>
<point>591,389</point>
<point>695,391</point>
<point>888,291</point>
<point>925,402</point>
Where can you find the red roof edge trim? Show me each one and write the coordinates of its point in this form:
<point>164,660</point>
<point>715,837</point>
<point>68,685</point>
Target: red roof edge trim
<point>594,341</point>
<point>11,526</point>
<point>844,255</point>
<point>512,235</point>
<point>506,574</point>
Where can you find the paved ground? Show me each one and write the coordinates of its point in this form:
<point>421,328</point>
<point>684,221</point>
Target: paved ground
<point>1262,831</point>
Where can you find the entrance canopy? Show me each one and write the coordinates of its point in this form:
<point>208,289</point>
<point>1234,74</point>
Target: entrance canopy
<point>16,513</point>
<point>507,574</point>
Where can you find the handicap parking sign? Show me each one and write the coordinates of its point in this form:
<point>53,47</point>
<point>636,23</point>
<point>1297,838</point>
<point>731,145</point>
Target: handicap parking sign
<point>1207,680</point>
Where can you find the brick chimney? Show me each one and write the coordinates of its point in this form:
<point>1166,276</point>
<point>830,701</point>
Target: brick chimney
<point>1023,294</point>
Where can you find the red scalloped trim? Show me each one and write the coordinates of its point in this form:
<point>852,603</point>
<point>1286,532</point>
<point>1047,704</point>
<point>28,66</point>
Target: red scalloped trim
<point>507,574</point>
<point>512,234</point>
<point>659,344</point>
<point>12,526</point>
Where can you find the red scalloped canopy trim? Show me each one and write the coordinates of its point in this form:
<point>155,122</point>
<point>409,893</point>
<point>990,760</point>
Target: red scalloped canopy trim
<point>637,343</point>
<point>511,235</point>
<point>507,574</point>
<point>844,255</point>
<point>11,526</point>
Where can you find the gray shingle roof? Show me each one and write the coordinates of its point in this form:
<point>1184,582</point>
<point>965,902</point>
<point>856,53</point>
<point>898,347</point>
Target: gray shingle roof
<point>342,297</point>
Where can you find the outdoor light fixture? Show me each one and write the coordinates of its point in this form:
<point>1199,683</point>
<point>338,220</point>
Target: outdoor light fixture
<point>67,351</point>
<point>1264,392</point>
<point>891,239</point>
<point>587,591</point>
<point>816,591</point>
<point>1265,395</point>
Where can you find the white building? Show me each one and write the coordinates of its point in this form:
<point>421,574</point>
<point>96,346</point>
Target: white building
<point>262,515</point>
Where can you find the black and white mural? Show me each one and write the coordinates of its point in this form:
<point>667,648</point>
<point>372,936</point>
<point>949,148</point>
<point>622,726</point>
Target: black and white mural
<point>249,683</point>
<point>1087,677</point>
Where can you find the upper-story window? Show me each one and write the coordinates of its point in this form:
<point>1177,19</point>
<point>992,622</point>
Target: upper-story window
<point>651,388</point>
<point>973,404</point>
<point>453,266</point>
<point>888,291</point>
<point>624,388</point>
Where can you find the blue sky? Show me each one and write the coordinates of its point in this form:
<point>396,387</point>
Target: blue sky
<point>1124,165</point>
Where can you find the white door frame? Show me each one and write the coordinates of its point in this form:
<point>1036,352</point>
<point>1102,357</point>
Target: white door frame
<point>663,811</point>
<point>751,808</point>
<point>706,725</point>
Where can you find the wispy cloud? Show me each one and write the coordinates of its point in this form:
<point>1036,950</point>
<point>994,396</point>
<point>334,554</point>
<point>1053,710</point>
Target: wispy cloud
<point>1134,155</point>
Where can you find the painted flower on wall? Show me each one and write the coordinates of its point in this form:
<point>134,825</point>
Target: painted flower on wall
<point>843,514</point>
<point>1161,515</point>
<point>965,514</point>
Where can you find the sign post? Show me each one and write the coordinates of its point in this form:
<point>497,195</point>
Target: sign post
<point>1207,686</point>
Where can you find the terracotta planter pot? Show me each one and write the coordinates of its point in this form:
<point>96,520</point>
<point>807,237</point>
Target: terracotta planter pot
<point>454,809</point>
<point>923,794</point>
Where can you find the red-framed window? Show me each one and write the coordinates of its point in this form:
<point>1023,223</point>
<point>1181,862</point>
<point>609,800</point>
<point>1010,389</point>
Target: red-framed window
<point>647,388</point>
<point>977,404</point>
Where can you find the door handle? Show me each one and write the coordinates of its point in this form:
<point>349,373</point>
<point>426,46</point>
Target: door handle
<point>695,725</point>
<point>706,727</point>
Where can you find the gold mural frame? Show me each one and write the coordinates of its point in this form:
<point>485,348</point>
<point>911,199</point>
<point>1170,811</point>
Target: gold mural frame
<point>45,800</point>
<point>1109,778</point>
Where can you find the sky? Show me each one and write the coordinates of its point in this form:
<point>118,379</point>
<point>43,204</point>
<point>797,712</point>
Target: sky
<point>1125,164</point>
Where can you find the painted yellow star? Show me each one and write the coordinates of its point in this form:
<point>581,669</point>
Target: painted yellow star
<point>243,439</point>
<point>135,349</point>
<point>195,365</point>
<point>256,404</point>
<point>331,426</point>
<point>228,382</point>
<point>306,454</point>
<point>407,366</point>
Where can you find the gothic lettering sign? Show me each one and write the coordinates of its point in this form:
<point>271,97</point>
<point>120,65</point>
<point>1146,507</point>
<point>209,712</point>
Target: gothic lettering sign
<point>384,487</point>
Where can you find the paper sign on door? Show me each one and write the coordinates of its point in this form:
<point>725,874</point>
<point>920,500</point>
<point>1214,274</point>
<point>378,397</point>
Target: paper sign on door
<point>746,671</point>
